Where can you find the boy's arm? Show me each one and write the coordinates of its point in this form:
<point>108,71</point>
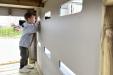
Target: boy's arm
<point>18,28</point>
<point>31,29</point>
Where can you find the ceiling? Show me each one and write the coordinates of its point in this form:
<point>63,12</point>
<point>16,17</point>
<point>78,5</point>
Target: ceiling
<point>36,3</point>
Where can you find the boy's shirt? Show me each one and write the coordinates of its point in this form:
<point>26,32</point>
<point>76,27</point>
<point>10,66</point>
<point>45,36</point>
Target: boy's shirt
<point>27,34</point>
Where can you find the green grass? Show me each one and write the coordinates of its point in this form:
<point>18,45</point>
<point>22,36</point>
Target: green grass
<point>9,32</point>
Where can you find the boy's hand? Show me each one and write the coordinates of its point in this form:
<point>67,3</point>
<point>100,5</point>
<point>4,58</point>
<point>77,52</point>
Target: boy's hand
<point>17,28</point>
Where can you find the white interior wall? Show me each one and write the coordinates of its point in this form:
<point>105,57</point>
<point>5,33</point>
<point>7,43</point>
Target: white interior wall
<point>18,12</point>
<point>73,39</point>
<point>3,11</point>
<point>15,12</point>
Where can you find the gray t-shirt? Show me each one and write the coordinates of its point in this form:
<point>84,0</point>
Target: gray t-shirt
<point>27,34</point>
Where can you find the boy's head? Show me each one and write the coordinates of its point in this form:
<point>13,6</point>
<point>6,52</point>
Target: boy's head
<point>30,17</point>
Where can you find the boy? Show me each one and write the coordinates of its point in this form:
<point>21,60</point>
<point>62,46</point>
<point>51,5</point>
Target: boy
<point>29,28</point>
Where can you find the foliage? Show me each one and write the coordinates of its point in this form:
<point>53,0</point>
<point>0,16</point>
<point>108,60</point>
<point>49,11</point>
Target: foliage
<point>9,32</point>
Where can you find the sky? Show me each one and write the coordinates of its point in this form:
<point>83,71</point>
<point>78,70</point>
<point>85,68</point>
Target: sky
<point>8,20</point>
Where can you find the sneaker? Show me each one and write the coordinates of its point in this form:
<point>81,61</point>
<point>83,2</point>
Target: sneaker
<point>29,67</point>
<point>24,70</point>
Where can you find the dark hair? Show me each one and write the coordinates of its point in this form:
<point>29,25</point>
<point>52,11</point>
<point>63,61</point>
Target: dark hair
<point>28,15</point>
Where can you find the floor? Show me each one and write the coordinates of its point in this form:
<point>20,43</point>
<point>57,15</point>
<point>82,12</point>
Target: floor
<point>9,50</point>
<point>9,53</point>
<point>12,69</point>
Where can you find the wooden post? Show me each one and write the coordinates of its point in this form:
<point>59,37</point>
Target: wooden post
<point>108,42</point>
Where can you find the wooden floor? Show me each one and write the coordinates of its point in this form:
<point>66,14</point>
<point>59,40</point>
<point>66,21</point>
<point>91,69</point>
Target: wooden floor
<point>13,69</point>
